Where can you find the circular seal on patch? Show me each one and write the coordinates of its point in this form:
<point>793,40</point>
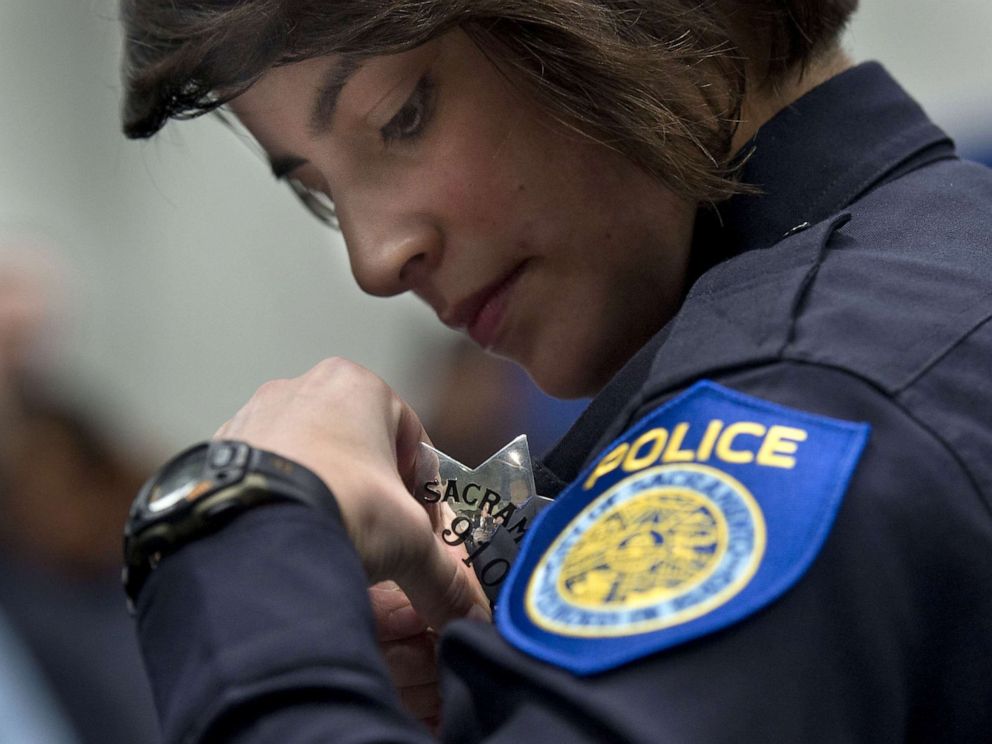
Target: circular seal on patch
<point>660,548</point>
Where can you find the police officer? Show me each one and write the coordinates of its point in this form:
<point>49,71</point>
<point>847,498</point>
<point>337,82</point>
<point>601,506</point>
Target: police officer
<point>773,522</point>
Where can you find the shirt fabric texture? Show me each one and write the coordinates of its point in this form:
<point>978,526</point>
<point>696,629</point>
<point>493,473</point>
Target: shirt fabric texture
<point>858,285</point>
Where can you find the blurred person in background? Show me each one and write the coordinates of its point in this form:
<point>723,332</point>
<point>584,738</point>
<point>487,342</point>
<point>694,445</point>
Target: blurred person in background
<point>28,712</point>
<point>31,306</point>
<point>768,266</point>
<point>480,402</point>
<point>64,492</point>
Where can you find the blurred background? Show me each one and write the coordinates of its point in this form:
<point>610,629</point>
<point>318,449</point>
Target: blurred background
<point>147,289</point>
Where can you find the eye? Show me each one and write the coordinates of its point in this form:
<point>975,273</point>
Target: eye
<point>411,120</point>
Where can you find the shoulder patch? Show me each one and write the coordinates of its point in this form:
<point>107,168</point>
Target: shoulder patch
<point>702,513</point>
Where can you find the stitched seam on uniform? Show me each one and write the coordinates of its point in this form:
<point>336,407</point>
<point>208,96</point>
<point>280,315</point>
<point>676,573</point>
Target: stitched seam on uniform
<point>940,355</point>
<point>951,451</point>
<point>874,174</point>
<point>799,301</point>
<point>740,287</point>
<point>883,393</point>
<point>709,297</point>
<point>877,181</point>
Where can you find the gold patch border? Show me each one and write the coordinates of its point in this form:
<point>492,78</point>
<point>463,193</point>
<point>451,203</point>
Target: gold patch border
<point>690,613</point>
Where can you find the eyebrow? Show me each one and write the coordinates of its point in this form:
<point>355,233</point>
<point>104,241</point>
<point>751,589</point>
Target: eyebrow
<point>336,77</point>
<point>322,112</point>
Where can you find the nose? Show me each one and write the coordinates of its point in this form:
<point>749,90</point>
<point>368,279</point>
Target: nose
<point>389,253</point>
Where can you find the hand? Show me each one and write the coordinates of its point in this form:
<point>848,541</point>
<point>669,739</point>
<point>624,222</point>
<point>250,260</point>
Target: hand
<point>346,425</point>
<point>409,647</point>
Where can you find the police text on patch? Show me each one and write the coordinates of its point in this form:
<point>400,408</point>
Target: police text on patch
<point>739,443</point>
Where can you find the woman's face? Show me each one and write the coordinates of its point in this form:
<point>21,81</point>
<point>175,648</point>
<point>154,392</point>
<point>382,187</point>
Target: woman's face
<point>451,183</point>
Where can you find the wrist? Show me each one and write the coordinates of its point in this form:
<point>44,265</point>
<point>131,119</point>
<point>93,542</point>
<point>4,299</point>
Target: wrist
<point>202,489</point>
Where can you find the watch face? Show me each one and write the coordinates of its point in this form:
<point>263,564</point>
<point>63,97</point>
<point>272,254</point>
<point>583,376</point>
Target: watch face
<point>178,480</point>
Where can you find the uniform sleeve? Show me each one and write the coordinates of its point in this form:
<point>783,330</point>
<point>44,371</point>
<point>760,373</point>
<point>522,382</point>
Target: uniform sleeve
<point>263,633</point>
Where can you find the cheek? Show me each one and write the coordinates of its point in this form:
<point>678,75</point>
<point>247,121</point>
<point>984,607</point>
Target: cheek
<point>475,186</point>
<point>488,167</point>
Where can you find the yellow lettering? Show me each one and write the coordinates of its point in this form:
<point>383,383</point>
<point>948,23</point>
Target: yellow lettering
<point>724,446</point>
<point>609,463</point>
<point>776,447</point>
<point>779,446</point>
<point>709,440</point>
<point>656,439</point>
<point>672,452</point>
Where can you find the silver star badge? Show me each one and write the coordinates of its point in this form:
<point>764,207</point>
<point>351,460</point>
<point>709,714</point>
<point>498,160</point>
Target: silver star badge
<point>487,509</point>
<point>481,498</point>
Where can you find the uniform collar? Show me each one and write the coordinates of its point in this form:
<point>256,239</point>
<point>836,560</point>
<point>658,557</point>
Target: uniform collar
<point>811,160</point>
<point>815,157</point>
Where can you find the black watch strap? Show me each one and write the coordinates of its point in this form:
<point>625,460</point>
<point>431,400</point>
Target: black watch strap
<point>217,481</point>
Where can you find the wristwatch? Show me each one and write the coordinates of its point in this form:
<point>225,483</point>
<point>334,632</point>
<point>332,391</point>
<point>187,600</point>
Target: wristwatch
<point>200,490</point>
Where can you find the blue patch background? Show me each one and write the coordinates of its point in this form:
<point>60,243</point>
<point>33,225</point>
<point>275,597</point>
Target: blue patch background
<point>799,507</point>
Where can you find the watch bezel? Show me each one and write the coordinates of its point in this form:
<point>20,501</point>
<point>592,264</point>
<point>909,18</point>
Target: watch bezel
<point>233,477</point>
<point>209,480</point>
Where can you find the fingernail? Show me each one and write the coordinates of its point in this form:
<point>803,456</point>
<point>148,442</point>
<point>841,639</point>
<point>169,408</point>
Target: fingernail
<point>479,614</point>
<point>405,622</point>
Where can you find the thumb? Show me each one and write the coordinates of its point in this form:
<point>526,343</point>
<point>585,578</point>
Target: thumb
<point>441,588</point>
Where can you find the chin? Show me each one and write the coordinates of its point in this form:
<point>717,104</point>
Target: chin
<point>560,381</point>
<point>583,368</point>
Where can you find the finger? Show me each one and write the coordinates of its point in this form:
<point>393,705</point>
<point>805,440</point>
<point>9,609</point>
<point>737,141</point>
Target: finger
<point>422,701</point>
<point>409,434</point>
<point>395,617</point>
<point>412,661</point>
<point>441,591</point>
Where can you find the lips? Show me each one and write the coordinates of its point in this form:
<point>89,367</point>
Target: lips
<point>481,313</point>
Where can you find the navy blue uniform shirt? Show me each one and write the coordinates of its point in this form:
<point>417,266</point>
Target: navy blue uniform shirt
<point>857,287</point>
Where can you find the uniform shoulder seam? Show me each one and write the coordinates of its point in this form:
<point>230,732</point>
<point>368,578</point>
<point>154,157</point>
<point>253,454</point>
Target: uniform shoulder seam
<point>940,355</point>
<point>891,398</point>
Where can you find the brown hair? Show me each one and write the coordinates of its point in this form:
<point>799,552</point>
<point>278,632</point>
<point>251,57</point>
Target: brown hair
<point>661,81</point>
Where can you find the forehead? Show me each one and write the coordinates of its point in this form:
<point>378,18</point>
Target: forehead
<point>280,101</point>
